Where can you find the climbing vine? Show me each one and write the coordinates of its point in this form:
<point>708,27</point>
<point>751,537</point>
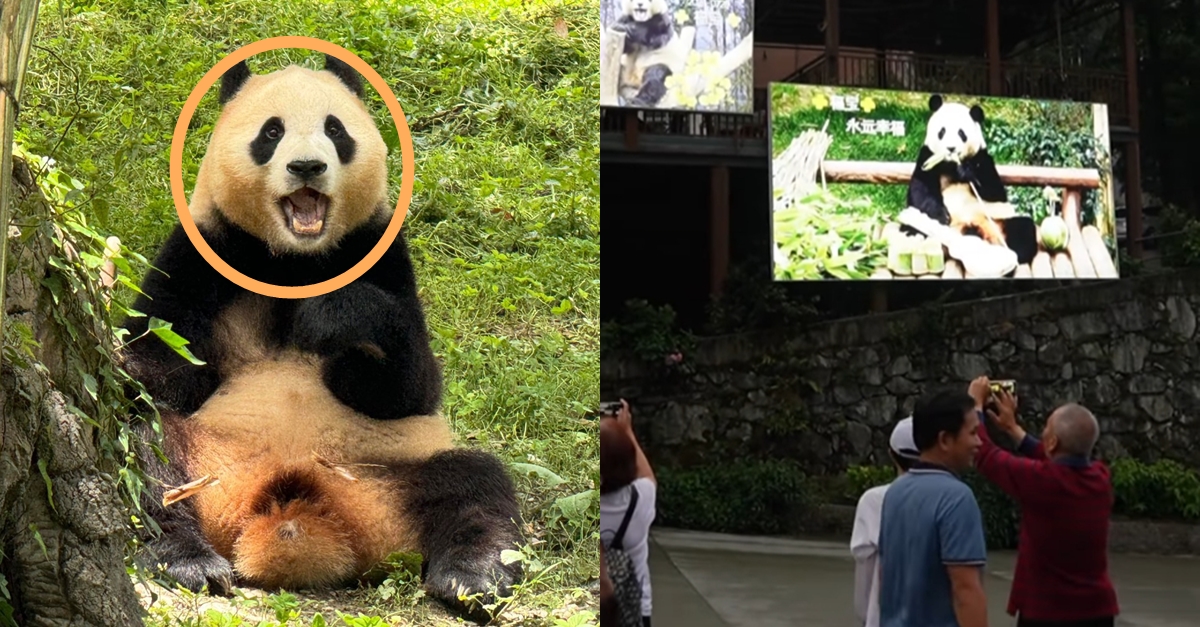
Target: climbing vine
<point>70,256</point>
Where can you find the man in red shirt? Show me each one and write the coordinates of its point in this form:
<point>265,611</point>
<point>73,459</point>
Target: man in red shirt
<point>1066,499</point>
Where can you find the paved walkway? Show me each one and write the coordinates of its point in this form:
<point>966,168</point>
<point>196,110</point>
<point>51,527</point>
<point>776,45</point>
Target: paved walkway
<point>716,580</point>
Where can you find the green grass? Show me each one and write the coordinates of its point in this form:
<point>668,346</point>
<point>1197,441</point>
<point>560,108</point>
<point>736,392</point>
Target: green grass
<point>503,227</point>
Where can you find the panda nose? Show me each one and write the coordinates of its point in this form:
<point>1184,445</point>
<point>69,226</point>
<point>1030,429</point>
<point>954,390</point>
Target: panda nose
<point>306,169</point>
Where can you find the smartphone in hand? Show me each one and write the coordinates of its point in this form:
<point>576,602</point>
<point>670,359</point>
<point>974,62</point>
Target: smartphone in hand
<point>610,408</point>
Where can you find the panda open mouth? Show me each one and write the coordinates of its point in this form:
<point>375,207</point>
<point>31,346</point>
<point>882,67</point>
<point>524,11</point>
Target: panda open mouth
<point>305,211</point>
<point>641,14</point>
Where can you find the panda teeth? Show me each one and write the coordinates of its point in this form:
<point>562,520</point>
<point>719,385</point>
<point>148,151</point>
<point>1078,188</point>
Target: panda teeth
<point>305,212</point>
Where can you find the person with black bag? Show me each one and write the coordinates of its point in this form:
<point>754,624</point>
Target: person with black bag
<point>628,491</point>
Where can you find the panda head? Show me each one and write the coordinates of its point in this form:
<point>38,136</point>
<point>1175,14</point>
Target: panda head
<point>643,10</point>
<point>954,131</point>
<point>295,158</point>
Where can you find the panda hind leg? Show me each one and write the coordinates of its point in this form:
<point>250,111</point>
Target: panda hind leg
<point>654,86</point>
<point>1021,235</point>
<point>973,220</point>
<point>181,551</point>
<point>465,508</point>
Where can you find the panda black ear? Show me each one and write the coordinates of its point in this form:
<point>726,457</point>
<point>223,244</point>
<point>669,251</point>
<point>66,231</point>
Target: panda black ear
<point>935,102</point>
<point>345,73</point>
<point>977,113</point>
<point>232,81</point>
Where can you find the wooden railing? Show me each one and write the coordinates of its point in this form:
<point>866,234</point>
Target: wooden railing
<point>895,70</point>
<point>694,124</point>
<point>1085,257</point>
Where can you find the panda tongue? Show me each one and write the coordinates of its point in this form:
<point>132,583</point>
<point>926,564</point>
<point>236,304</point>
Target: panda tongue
<point>307,215</point>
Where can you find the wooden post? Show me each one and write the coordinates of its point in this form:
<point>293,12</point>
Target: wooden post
<point>1105,223</point>
<point>832,43</point>
<point>631,129</point>
<point>719,247</point>
<point>995,79</point>
<point>879,297</point>
<point>1133,158</point>
<point>611,46</point>
<point>17,19</point>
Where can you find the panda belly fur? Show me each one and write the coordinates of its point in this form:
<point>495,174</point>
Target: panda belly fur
<point>280,516</point>
<point>970,215</point>
<point>279,513</point>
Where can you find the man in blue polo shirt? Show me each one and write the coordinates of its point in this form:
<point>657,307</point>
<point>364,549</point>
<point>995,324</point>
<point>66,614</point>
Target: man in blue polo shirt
<point>931,544</point>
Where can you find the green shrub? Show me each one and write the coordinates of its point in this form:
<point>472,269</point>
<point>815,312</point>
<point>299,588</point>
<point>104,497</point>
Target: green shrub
<point>648,331</point>
<point>1162,490</point>
<point>758,497</point>
<point>1001,518</point>
<point>863,478</point>
<point>1181,246</point>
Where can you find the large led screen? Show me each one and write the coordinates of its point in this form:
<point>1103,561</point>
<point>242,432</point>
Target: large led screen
<point>879,184</point>
<point>689,55</point>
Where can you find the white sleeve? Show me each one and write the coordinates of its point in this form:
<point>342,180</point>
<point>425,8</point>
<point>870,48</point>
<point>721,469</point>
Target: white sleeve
<point>864,578</point>
<point>863,546</point>
<point>866,526</point>
<point>647,501</point>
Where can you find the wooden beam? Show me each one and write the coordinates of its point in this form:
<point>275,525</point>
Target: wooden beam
<point>833,28</point>
<point>719,214</point>
<point>1133,161</point>
<point>611,45</point>
<point>1077,251</point>
<point>895,172</point>
<point>995,78</point>
<point>1133,197</point>
<point>879,297</point>
<point>631,129</point>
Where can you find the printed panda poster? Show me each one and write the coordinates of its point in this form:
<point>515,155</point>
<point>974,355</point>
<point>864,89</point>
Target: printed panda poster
<point>870,184</point>
<point>683,55</point>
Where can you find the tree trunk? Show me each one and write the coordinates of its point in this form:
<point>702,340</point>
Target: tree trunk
<point>63,526</point>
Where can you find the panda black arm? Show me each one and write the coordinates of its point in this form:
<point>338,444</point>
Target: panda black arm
<point>652,34</point>
<point>982,172</point>
<point>372,333</point>
<point>187,296</point>
<point>654,85</point>
<point>925,190</point>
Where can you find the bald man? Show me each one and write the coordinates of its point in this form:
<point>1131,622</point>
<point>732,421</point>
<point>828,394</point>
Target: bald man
<point>1065,499</point>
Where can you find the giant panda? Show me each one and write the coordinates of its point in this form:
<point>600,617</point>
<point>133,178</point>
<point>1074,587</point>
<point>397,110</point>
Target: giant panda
<point>955,181</point>
<point>650,51</point>
<point>318,417</point>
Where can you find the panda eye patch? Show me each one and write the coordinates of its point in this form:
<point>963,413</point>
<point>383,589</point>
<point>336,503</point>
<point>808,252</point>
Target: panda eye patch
<point>962,135</point>
<point>272,129</point>
<point>342,141</point>
<point>942,134</point>
<point>333,127</point>
<point>263,146</point>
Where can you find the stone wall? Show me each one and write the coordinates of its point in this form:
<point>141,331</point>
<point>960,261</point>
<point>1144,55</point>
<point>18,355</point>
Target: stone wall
<point>828,394</point>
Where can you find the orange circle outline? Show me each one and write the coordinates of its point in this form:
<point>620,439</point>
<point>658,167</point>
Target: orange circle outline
<point>407,174</point>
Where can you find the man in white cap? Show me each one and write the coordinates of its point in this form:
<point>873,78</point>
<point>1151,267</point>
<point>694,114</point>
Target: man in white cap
<point>864,542</point>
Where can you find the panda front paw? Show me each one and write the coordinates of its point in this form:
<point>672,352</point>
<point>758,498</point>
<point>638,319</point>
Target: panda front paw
<point>194,573</point>
<point>474,589</point>
<point>358,314</point>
